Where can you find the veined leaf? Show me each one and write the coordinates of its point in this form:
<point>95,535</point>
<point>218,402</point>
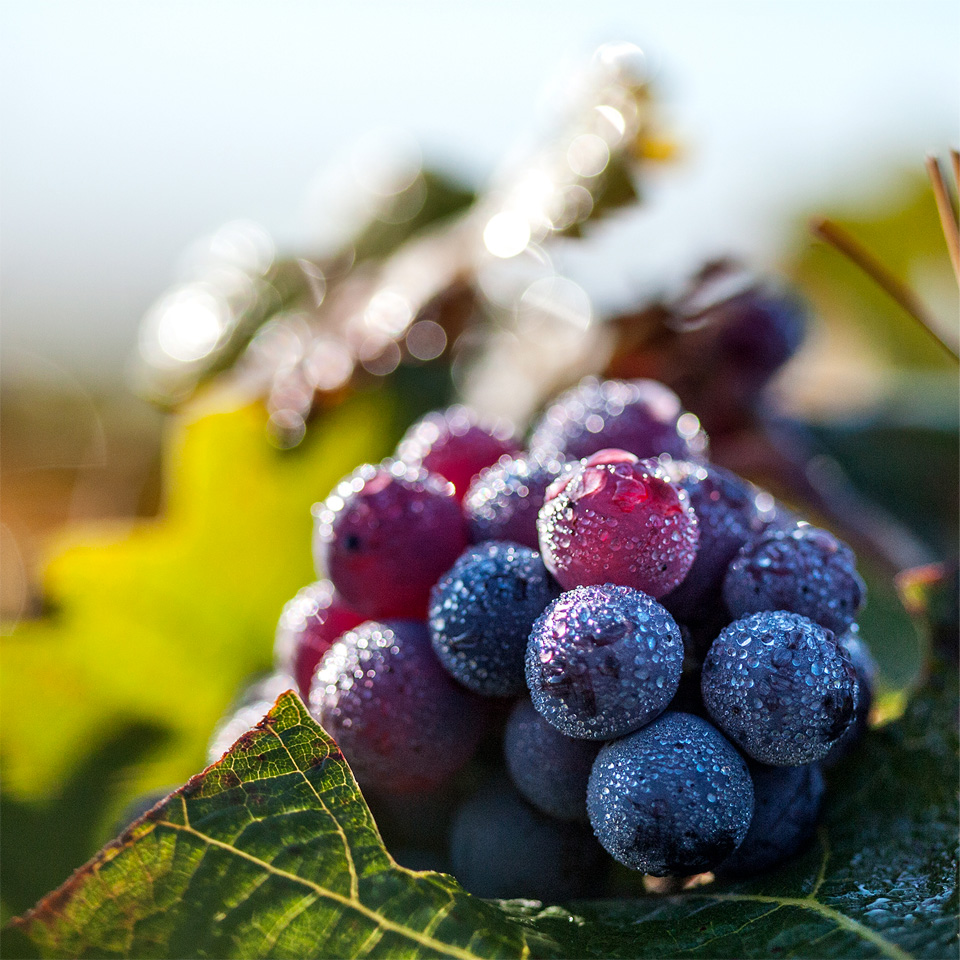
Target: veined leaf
<point>271,852</point>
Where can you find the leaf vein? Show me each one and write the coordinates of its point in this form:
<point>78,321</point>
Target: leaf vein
<point>272,935</point>
<point>824,839</point>
<point>354,879</point>
<point>886,947</point>
<point>322,892</point>
<point>741,928</point>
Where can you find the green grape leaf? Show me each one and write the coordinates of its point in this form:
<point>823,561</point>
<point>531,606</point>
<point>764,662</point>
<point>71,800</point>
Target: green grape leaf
<point>269,852</point>
<point>272,852</point>
<point>155,626</point>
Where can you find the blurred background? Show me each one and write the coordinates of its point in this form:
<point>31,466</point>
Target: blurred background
<point>132,130</point>
<point>149,148</point>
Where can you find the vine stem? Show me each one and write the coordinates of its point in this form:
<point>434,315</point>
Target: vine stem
<point>948,216</point>
<point>842,240</point>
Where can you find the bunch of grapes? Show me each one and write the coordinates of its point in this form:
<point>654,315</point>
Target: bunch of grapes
<point>665,655</point>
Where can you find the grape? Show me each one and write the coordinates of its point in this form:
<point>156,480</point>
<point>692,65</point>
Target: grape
<point>780,687</point>
<point>602,661</point>
<point>456,444</point>
<point>548,768</point>
<point>503,501</point>
<point>384,537</point>
<point>672,799</point>
<point>760,330</point>
<point>617,519</point>
<point>481,612</point>
<point>865,668</point>
<point>729,512</point>
<point>804,570</point>
<point>400,720</point>
<point>308,626</point>
<point>786,806</point>
<point>501,847</point>
<point>641,416</point>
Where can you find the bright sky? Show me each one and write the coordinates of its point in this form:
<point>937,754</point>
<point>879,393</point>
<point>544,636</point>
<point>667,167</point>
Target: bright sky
<point>131,129</point>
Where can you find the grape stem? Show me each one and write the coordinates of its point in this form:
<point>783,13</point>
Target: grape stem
<point>948,216</point>
<point>842,240</point>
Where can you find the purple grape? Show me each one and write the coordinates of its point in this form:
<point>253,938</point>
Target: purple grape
<point>308,627</point>
<point>456,444</point>
<point>602,661</point>
<point>402,723</point>
<point>501,847</point>
<point>550,770</point>
<point>786,806</point>
<point>866,669</point>
<point>735,333</point>
<point>617,519</point>
<point>384,537</point>
<point>503,501</point>
<point>761,329</point>
<point>643,417</point>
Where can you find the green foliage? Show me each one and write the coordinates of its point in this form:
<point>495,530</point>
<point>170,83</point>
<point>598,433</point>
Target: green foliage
<point>865,451</point>
<point>272,852</point>
<point>442,198</point>
<point>153,629</point>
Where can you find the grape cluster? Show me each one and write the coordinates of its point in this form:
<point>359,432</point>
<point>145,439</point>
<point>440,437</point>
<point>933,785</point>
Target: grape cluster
<point>619,645</point>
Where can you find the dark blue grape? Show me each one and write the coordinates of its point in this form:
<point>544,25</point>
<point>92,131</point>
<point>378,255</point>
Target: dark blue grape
<point>643,417</point>
<point>501,847</point>
<point>548,768</point>
<point>400,720</point>
<point>481,612</point>
<point>780,687</point>
<point>504,500</point>
<point>787,804</point>
<point>602,661</point>
<point>672,799</point>
<point>730,511</point>
<point>803,570</point>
